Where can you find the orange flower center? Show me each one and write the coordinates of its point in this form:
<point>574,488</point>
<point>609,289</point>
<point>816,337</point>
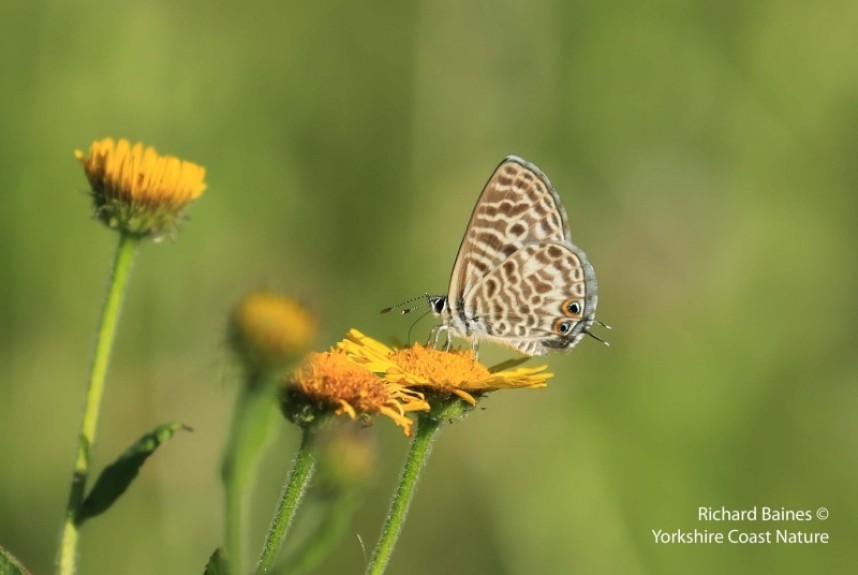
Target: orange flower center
<point>331,378</point>
<point>440,368</point>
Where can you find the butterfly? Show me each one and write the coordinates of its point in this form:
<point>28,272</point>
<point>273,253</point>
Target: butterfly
<point>518,279</point>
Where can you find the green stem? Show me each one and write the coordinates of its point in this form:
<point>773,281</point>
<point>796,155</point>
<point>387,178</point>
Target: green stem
<point>67,557</point>
<point>290,497</point>
<point>418,454</point>
<point>251,418</point>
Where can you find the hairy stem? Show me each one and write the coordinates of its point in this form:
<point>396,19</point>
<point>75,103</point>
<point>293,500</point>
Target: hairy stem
<point>418,454</point>
<point>67,556</point>
<point>253,410</point>
<point>290,497</point>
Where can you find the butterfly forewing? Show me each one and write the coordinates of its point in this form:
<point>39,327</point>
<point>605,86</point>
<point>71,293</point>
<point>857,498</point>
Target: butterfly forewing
<point>518,206</point>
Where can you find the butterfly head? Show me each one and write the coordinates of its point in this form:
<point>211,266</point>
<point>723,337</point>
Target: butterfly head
<point>437,303</point>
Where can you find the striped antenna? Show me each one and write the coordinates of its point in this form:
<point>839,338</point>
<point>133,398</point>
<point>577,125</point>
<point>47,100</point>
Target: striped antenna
<point>424,298</point>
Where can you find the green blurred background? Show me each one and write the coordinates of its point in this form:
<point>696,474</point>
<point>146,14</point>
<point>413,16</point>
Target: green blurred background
<point>706,154</point>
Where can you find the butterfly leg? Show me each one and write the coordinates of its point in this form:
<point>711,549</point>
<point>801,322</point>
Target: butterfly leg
<point>435,336</point>
<point>475,346</point>
<point>448,343</point>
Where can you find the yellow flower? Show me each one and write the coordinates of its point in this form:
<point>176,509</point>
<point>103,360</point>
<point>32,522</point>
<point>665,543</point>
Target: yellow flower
<point>455,372</point>
<point>138,191</point>
<point>330,380</point>
<point>268,330</point>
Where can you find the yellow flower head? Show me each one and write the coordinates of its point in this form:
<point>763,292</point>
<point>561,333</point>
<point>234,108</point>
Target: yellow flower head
<point>268,330</point>
<point>137,191</point>
<point>455,372</point>
<point>331,381</point>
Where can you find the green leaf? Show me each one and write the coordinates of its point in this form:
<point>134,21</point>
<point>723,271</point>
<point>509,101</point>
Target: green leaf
<point>9,564</point>
<point>217,563</point>
<point>116,477</point>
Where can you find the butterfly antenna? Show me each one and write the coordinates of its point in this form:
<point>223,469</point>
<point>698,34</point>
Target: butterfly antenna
<point>424,298</point>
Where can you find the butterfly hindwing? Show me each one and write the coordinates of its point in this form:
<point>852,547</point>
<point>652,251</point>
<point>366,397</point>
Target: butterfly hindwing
<point>542,297</point>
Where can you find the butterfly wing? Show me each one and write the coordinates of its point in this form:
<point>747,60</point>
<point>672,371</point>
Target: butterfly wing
<point>518,206</point>
<point>541,298</point>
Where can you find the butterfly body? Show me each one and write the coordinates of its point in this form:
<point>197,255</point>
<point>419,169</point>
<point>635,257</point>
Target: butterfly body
<point>518,279</point>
